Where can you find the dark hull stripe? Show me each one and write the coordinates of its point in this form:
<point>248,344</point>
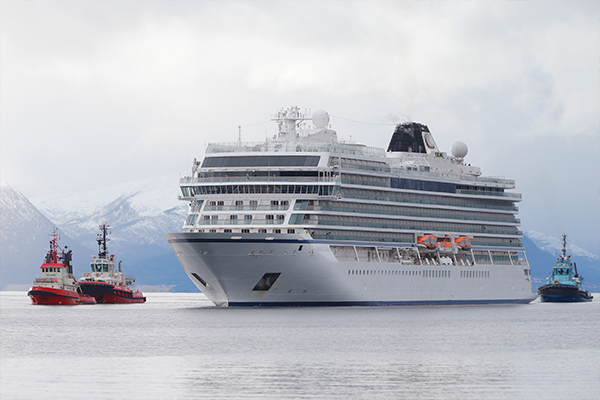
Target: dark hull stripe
<point>47,293</point>
<point>567,298</point>
<point>375,303</point>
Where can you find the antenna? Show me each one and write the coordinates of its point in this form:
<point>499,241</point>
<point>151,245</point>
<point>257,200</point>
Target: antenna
<point>239,135</point>
<point>102,238</point>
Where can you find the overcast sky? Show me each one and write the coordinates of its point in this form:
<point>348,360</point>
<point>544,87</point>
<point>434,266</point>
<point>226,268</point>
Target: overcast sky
<point>98,92</point>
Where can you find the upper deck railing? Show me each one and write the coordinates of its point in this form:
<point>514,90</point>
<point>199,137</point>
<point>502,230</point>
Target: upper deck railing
<point>296,147</point>
<point>353,149</point>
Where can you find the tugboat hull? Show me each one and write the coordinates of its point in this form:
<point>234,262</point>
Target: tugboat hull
<point>558,293</point>
<point>52,296</point>
<point>110,294</point>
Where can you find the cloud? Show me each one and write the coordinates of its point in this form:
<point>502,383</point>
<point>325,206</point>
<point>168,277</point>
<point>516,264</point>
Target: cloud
<point>95,92</point>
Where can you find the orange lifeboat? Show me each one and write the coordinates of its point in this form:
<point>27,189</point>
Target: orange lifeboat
<point>445,244</point>
<point>463,242</point>
<point>428,242</point>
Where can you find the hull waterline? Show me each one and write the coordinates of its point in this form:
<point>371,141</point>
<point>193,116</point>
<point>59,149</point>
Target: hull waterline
<point>558,293</point>
<point>52,296</point>
<point>106,293</point>
<point>230,272</point>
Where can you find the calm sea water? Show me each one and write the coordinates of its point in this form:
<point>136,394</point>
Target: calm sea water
<point>179,346</point>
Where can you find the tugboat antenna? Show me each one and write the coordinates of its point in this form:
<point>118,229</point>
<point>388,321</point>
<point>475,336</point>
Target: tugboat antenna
<point>102,239</point>
<point>564,249</point>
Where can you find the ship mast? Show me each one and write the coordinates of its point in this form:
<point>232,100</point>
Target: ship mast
<point>288,120</point>
<point>102,238</point>
<point>564,249</point>
<point>52,256</point>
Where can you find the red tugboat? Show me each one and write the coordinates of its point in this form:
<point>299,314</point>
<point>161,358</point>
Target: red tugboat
<point>104,283</point>
<point>55,284</point>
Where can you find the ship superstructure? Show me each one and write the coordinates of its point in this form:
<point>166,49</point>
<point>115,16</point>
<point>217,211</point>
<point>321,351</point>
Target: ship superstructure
<point>305,219</point>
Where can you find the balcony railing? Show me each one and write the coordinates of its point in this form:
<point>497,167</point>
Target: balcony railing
<point>235,179</point>
<point>296,147</point>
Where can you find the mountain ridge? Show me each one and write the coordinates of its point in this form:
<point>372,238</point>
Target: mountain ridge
<point>140,212</point>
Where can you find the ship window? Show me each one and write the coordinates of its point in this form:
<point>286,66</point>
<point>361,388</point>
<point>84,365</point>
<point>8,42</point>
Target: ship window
<point>248,217</point>
<point>260,161</point>
<point>199,204</point>
<point>281,217</point>
<point>262,230</point>
<point>291,231</point>
<point>212,231</point>
<point>296,219</point>
<point>212,203</point>
<point>245,230</point>
<point>191,219</point>
<point>227,230</point>
<point>266,281</point>
<point>276,230</point>
<point>274,202</point>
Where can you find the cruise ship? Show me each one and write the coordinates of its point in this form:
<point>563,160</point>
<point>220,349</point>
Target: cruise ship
<point>305,219</point>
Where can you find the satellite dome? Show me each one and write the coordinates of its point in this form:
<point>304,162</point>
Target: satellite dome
<point>459,149</point>
<point>320,119</point>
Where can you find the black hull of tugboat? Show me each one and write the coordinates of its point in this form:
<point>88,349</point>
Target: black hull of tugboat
<point>563,294</point>
<point>109,294</point>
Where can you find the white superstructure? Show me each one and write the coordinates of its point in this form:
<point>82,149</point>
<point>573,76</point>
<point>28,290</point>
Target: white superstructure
<point>304,219</point>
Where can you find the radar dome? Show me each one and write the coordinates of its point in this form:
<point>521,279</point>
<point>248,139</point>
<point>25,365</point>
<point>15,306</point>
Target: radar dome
<point>320,119</point>
<point>459,149</point>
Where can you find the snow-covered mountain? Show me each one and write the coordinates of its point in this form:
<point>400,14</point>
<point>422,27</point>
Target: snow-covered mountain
<point>553,245</point>
<point>542,251</point>
<point>139,212</point>
<point>24,237</point>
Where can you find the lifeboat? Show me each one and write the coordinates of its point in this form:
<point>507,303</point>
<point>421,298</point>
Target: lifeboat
<point>463,243</point>
<point>427,242</point>
<point>444,245</point>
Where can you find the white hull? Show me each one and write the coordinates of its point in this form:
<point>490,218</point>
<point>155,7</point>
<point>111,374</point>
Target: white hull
<point>228,267</point>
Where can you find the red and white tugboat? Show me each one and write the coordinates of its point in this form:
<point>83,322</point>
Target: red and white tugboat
<point>104,283</point>
<point>55,284</point>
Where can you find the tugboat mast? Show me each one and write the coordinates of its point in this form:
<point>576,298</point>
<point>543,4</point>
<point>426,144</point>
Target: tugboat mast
<point>102,239</point>
<point>564,249</point>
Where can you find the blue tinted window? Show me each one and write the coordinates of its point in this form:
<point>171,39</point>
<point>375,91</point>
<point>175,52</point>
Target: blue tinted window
<point>260,161</point>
